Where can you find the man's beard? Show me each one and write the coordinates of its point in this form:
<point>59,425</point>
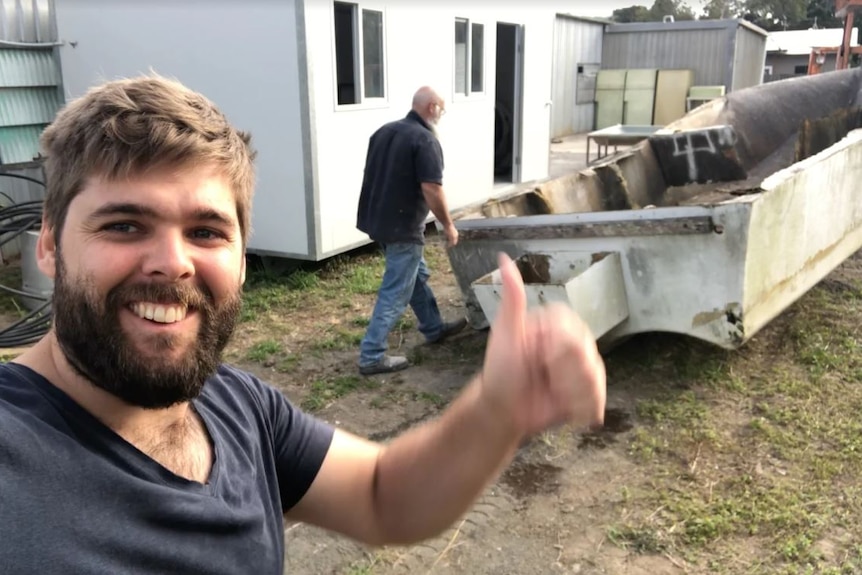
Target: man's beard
<point>93,342</point>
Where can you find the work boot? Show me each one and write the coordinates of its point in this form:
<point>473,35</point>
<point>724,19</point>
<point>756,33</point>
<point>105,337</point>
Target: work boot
<point>387,364</point>
<point>450,328</point>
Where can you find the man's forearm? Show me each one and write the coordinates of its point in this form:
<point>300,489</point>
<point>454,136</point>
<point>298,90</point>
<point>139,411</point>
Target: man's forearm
<point>435,197</point>
<point>431,475</point>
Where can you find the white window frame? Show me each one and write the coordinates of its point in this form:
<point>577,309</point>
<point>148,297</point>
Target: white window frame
<point>359,57</point>
<point>468,92</point>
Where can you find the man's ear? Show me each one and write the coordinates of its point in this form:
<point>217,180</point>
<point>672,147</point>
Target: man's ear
<point>242,269</point>
<point>46,250</point>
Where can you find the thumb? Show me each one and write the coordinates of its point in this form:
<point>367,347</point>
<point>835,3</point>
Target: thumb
<point>513,304</point>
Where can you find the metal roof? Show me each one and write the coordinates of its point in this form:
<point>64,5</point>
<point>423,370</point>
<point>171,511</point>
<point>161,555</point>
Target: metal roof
<point>798,42</point>
<point>683,25</point>
<point>587,19</point>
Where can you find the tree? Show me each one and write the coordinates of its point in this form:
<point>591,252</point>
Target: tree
<point>822,13</point>
<point>718,9</point>
<point>676,8</point>
<point>631,14</point>
<point>776,14</point>
<point>660,8</point>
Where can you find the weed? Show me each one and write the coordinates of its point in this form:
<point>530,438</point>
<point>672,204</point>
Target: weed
<point>339,339</point>
<point>779,472</point>
<point>263,350</point>
<point>287,364</point>
<point>434,399</point>
<point>301,280</point>
<point>638,540</point>
<point>417,355</point>
<point>362,280</point>
<point>325,391</point>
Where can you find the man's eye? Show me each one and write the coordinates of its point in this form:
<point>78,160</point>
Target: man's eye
<point>206,234</point>
<point>122,228</point>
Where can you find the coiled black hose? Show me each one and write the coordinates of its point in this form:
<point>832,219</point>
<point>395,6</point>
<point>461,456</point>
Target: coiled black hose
<point>15,220</point>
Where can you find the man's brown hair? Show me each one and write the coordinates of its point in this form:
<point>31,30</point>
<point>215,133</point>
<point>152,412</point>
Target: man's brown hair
<point>126,127</point>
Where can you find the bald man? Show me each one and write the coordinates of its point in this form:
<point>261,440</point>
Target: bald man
<point>404,180</point>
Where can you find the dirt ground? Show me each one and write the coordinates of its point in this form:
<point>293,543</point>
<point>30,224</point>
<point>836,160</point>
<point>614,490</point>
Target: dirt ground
<point>709,462</point>
<point>552,509</point>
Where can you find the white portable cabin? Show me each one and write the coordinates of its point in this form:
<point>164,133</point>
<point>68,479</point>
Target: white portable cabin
<point>312,79</point>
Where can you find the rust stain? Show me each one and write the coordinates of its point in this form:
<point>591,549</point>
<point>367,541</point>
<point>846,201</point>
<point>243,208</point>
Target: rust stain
<point>535,268</point>
<point>599,256</point>
<point>808,265</point>
<point>816,135</point>
<point>729,313</point>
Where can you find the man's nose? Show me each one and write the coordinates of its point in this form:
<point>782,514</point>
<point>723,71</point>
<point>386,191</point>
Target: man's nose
<point>169,257</point>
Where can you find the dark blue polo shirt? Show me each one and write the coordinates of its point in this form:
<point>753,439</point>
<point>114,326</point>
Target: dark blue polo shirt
<point>401,156</point>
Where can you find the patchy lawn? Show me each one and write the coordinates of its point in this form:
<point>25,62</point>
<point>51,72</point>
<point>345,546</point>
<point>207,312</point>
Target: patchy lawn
<point>711,462</point>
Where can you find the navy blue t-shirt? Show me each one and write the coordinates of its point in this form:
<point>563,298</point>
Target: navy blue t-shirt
<point>402,155</point>
<point>77,498</point>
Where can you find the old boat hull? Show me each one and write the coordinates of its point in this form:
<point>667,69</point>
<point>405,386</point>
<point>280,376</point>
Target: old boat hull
<point>715,261</point>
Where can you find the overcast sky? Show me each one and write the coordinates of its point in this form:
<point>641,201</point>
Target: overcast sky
<point>605,8</point>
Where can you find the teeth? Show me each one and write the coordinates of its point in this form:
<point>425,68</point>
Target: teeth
<point>160,313</point>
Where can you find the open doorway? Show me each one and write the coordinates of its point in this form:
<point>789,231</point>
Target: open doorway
<point>508,104</point>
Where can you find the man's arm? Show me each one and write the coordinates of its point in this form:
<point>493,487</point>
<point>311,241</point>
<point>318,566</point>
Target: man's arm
<point>541,369</point>
<point>415,487</point>
<point>435,197</point>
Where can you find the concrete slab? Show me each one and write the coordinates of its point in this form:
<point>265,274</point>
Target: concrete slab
<point>568,154</point>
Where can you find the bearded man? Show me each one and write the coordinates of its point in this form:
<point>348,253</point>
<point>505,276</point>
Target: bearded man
<point>126,446</point>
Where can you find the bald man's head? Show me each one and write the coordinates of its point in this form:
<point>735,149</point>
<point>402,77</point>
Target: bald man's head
<point>429,105</point>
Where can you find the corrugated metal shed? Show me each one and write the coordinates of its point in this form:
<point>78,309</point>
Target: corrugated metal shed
<point>30,78</point>
<point>719,52</point>
<point>28,67</point>
<point>749,59</point>
<point>577,59</point>
<point>27,21</point>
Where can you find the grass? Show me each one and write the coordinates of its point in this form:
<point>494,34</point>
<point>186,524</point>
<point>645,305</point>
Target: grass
<point>269,294</point>
<point>10,276</point>
<point>338,339</point>
<point>748,461</point>
<point>325,391</point>
<point>344,286</point>
<point>757,449</point>
<point>263,350</point>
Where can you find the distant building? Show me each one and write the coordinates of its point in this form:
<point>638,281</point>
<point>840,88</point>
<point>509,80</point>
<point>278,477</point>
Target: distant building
<point>787,51</point>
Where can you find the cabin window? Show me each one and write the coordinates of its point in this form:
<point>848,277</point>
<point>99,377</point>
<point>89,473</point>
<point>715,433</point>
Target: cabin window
<point>585,83</point>
<point>469,57</point>
<point>359,54</point>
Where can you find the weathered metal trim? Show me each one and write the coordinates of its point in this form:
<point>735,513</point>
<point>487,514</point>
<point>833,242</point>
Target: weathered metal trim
<point>604,229</point>
<point>586,19</point>
<point>309,140</point>
<point>683,25</point>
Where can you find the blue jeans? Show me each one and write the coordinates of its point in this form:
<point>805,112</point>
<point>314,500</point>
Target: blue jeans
<point>405,281</point>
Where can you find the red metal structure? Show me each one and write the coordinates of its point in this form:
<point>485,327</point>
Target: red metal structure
<point>843,9</point>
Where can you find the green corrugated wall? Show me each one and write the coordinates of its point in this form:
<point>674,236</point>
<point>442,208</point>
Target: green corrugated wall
<point>29,98</point>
